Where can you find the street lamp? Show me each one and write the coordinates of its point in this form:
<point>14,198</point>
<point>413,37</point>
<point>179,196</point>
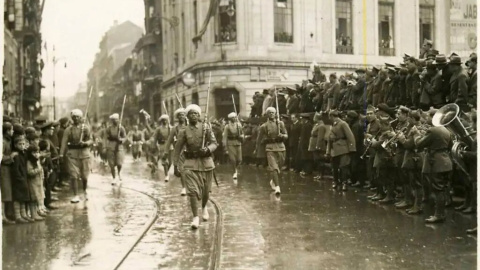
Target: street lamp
<point>55,61</point>
<point>174,22</point>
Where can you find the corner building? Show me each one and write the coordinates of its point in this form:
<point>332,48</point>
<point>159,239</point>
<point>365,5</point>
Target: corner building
<point>250,45</point>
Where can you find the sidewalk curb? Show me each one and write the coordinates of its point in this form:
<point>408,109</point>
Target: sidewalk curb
<point>216,255</point>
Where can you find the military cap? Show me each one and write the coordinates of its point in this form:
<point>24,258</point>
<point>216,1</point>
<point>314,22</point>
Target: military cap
<point>384,109</point>
<point>406,55</point>
<point>46,125</point>
<point>389,65</point>
<point>403,65</point>
<point>391,69</point>
<point>352,114</point>
<point>370,108</point>
<point>404,109</point>
<point>360,70</point>
<point>334,113</point>
<point>40,120</point>
<point>374,68</point>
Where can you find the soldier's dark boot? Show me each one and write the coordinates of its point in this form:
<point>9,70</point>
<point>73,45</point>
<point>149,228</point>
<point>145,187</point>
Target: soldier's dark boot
<point>380,195</point>
<point>465,203</point>
<point>417,204</point>
<point>439,216</point>
<point>408,199</point>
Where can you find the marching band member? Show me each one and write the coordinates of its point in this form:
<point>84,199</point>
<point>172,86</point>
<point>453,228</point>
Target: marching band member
<point>232,142</point>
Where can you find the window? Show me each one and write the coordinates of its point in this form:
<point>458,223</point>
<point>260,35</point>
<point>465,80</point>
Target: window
<point>195,98</point>
<point>184,41</point>
<point>343,9</point>
<point>195,17</point>
<point>427,19</point>
<point>283,21</point>
<point>226,22</point>
<point>386,27</point>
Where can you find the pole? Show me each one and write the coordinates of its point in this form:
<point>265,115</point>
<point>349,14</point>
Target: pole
<point>121,114</point>
<point>54,99</point>
<point>206,110</point>
<point>181,105</point>
<point>234,106</point>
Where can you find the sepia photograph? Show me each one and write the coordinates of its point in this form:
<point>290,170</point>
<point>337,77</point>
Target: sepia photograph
<point>239,134</point>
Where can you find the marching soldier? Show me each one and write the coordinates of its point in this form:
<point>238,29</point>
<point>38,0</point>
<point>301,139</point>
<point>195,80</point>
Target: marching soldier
<point>135,138</point>
<point>436,166</point>
<point>76,142</point>
<point>232,142</point>
<point>160,137</point>
<point>198,166</point>
<point>179,114</point>
<point>341,143</point>
<point>270,137</point>
<point>115,136</point>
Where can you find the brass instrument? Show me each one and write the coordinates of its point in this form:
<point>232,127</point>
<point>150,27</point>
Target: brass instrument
<point>388,145</point>
<point>368,144</point>
<point>448,117</point>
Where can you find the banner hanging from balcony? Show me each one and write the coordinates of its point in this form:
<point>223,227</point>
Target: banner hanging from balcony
<point>212,9</point>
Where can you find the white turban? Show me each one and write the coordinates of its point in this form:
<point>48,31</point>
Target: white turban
<point>115,116</point>
<point>163,117</point>
<point>193,107</point>
<point>270,109</point>
<point>232,115</point>
<point>76,112</point>
<point>181,110</point>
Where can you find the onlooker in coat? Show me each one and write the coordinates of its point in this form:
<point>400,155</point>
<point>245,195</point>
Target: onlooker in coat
<point>6,179</point>
<point>458,84</point>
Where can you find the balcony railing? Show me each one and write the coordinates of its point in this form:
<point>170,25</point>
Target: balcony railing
<point>344,49</point>
<point>283,37</point>
<point>387,51</point>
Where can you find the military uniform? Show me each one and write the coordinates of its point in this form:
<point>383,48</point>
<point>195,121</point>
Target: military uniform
<point>137,140</point>
<point>436,165</point>
<point>373,128</point>
<point>114,145</point>
<point>400,177</point>
<point>341,143</point>
<point>198,169</point>
<point>77,155</point>
<point>232,142</point>
<point>160,137</point>
<point>270,137</point>
<point>383,163</point>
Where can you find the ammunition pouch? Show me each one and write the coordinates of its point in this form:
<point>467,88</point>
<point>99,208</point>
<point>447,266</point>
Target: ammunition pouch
<point>196,154</point>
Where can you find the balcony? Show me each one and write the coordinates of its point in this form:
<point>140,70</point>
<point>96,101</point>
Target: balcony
<point>344,49</point>
<point>387,51</point>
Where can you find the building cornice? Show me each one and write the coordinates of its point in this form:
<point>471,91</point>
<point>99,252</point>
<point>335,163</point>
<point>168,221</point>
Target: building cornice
<point>259,63</point>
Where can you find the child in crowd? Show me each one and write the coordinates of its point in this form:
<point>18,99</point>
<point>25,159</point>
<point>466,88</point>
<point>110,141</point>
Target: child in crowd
<point>20,187</point>
<point>7,160</point>
<point>35,182</point>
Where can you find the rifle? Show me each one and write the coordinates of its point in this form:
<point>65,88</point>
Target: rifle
<point>235,109</point>
<point>278,112</point>
<point>181,105</point>
<point>206,122</point>
<point>120,124</point>
<point>86,114</point>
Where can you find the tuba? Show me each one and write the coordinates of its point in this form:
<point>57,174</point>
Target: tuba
<point>448,117</point>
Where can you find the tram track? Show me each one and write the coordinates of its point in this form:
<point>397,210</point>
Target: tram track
<point>215,250</point>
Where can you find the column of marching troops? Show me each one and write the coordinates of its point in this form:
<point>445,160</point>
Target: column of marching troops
<point>373,129</point>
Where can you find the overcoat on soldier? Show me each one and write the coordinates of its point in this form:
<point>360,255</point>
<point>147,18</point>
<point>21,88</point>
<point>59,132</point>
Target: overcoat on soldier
<point>438,142</point>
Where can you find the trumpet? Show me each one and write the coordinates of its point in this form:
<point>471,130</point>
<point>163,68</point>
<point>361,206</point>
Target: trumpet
<point>390,143</point>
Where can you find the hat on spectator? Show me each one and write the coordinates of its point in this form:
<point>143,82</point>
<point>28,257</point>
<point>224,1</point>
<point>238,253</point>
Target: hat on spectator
<point>452,55</point>
<point>40,120</point>
<point>7,119</point>
<point>76,112</point>
<point>406,56</point>
<point>389,65</point>
<point>232,115</point>
<point>432,53</point>
<point>285,116</point>
<point>18,129</point>
<point>391,69</point>
<point>333,75</point>
<point>440,59</point>
<point>6,126</point>
<point>32,136</point>
<point>430,65</point>
<point>473,58</point>
<point>455,60</point>
<point>334,113</point>
<point>360,70</point>
<point>63,120</point>
<point>30,130</point>
<point>270,109</point>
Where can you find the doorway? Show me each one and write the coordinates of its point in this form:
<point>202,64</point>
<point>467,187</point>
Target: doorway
<point>224,102</point>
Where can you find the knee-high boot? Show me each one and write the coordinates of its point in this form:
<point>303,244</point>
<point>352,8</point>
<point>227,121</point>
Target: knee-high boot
<point>440,204</point>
